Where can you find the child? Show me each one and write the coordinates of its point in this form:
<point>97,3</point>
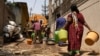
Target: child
<point>48,31</point>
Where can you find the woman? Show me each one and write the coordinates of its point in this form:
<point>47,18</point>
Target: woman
<point>75,29</point>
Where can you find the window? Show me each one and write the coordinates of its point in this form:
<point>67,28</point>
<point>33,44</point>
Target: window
<point>61,1</point>
<point>57,2</point>
<point>53,1</point>
<point>78,2</point>
<point>54,6</point>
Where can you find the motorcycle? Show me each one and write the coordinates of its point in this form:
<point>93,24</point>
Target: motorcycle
<point>12,32</point>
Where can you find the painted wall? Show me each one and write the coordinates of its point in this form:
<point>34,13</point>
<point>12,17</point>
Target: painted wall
<point>90,10</point>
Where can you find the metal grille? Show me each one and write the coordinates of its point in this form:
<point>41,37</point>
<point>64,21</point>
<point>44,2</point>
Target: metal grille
<point>67,3</point>
<point>78,2</point>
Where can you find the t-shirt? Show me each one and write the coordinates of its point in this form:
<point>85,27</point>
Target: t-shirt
<point>37,26</point>
<point>60,22</point>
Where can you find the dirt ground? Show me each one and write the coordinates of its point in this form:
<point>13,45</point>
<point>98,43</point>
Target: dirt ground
<point>24,49</point>
<point>21,48</point>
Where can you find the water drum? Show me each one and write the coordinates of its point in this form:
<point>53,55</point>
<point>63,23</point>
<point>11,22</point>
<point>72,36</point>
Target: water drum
<point>91,38</point>
<point>63,35</point>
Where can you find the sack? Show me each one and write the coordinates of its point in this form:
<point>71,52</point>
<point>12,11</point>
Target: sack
<point>63,35</point>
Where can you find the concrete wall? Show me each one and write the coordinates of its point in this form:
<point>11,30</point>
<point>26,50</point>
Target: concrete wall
<point>25,15</point>
<point>17,12</point>
<point>90,10</point>
<point>1,14</point>
<point>4,14</point>
<point>21,14</point>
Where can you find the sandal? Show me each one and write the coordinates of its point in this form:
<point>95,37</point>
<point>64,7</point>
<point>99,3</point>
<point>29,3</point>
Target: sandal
<point>77,53</point>
<point>71,53</point>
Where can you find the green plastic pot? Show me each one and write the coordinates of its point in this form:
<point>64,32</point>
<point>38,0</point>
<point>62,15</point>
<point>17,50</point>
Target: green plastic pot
<point>42,34</point>
<point>56,38</point>
<point>33,35</point>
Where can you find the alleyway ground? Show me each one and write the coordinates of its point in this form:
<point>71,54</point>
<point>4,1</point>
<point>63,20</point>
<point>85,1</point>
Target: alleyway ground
<point>23,49</point>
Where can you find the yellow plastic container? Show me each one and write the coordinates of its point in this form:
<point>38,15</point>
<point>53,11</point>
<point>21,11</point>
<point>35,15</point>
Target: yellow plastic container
<point>63,35</point>
<point>91,38</point>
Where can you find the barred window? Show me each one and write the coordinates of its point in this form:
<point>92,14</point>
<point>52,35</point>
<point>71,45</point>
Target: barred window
<point>54,6</point>
<point>78,2</point>
<point>63,6</point>
<point>58,3</point>
<point>53,1</point>
<point>61,1</point>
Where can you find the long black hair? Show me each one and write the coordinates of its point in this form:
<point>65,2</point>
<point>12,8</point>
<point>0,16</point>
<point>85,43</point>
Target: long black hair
<point>58,15</point>
<point>74,8</point>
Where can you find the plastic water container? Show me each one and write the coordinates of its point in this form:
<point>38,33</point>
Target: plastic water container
<point>91,38</point>
<point>63,35</point>
<point>56,38</point>
<point>33,35</point>
<point>29,41</point>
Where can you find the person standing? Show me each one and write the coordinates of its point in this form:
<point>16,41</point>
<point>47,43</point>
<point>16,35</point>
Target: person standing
<point>75,30</point>
<point>60,23</point>
<point>37,30</point>
<point>47,32</point>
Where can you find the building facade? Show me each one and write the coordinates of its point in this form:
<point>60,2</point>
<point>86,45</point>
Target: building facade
<point>17,12</point>
<point>2,4</point>
<point>90,10</point>
<point>5,15</point>
<point>21,14</point>
<point>61,7</point>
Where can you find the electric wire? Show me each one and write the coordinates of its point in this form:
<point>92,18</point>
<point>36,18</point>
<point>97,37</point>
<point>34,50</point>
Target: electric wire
<point>34,5</point>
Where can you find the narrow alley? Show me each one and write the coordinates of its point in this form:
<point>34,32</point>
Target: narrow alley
<point>49,28</point>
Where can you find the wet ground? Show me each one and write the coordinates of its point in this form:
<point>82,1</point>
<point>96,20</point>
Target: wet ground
<point>22,49</point>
